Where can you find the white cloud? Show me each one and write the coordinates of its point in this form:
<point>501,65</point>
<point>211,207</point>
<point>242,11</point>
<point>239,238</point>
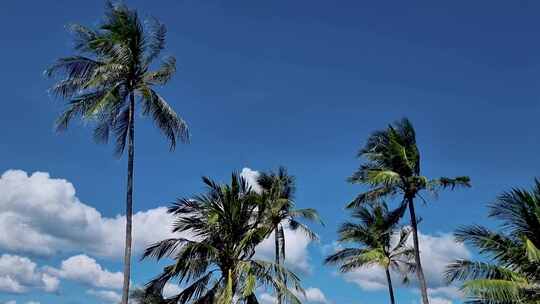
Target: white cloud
<point>10,302</point>
<point>451,292</point>
<point>251,177</point>
<point>296,244</point>
<point>171,290</point>
<point>436,251</point>
<point>106,295</point>
<point>86,270</point>
<point>45,216</point>
<point>437,300</point>
<point>312,295</point>
<point>266,298</point>
<point>32,302</point>
<point>19,275</point>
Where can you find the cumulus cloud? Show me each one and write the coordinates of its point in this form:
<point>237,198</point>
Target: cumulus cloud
<point>451,292</point>
<point>297,255</point>
<point>171,290</point>
<point>20,275</point>
<point>251,177</point>
<point>105,295</point>
<point>45,216</point>
<point>437,300</point>
<point>84,269</point>
<point>266,298</point>
<point>436,251</point>
<point>312,295</point>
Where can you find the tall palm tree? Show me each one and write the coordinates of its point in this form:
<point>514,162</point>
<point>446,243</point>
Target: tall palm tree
<point>392,167</point>
<point>217,261</point>
<point>105,81</point>
<point>375,234</point>
<point>511,271</point>
<point>278,210</point>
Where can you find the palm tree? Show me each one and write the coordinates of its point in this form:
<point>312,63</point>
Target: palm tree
<point>375,232</point>
<point>107,78</point>
<point>511,271</point>
<point>217,262</point>
<point>278,210</point>
<point>392,167</point>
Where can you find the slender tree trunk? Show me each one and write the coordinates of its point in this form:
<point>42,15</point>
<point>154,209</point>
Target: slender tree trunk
<point>419,271</point>
<point>390,288</point>
<point>129,199</point>
<point>278,259</point>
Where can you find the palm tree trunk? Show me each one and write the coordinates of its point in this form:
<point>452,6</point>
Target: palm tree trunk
<point>278,259</point>
<point>390,288</point>
<point>129,200</point>
<point>419,271</point>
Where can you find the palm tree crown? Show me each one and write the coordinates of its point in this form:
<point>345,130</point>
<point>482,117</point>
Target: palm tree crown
<point>375,233</point>
<point>217,263</point>
<point>112,67</point>
<point>511,272</point>
<point>392,167</point>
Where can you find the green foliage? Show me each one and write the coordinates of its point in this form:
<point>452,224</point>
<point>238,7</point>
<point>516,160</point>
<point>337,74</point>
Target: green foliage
<point>217,263</point>
<point>113,65</point>
<point>392,166</point>
<point>381,241</point>
<point>512,273</point>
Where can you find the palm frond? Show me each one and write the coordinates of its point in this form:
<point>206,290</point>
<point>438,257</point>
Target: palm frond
<point>163,74</point>
<point>165,118</point>
<point>370,196</point>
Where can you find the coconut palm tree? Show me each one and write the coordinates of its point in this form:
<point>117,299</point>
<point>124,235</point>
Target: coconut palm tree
<point>376,234</point>
<point>216,262</point>
<point>392,167</point>
<point>106,81</point>
<point>510,272</point>
<point>278,210</point>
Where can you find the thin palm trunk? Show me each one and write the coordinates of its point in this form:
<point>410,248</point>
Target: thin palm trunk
<point>419,271</point>
<point>129,200</point>
<point>278,259</point>
<point>390,288</point>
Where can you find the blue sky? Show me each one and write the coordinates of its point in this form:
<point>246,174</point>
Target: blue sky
<point>293,83</point>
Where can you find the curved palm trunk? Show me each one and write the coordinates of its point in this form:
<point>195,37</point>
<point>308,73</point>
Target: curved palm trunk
<point>278,259</point>
<point>390,288</point>
<point>129,200</point>
<point>419,271</point>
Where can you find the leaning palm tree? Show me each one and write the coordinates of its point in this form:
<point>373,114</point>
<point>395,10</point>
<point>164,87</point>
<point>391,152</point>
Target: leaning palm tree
<point>278,210</point>
<point>375,234</point>
<point>216,262</point>
<point>392,167</point>
<point>105,82</point>
<point>511,271</point>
